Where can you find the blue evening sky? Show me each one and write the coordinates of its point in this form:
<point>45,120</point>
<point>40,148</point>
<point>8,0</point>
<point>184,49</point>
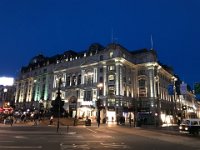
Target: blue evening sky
<point>49,27</point>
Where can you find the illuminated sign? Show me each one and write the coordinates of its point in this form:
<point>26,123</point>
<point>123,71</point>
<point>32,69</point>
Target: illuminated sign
<point>6,81</point>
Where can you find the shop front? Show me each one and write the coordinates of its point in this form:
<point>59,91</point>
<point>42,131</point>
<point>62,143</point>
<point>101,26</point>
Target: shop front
<point>87,111</point>
<point>111,114</point>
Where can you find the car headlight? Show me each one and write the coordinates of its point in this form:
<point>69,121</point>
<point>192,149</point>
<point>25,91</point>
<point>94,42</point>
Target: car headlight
<point>180,127</point>
<point>186,128</point>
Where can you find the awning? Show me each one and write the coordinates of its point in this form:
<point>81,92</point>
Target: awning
<point>1,109</point>
<point>87,106</point>
<point>7,109</point>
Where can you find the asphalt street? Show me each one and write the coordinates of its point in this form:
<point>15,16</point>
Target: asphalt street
<point>91,137</point>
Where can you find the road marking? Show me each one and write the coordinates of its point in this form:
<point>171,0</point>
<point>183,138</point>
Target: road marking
<point>77,142</point>
<point>74,146</point>
<point>91,130</point>
<point>21,147</point>
<point>102,136</point>
<point>71,132</point>
<point>6,141</point>
<point>20,137</point>
<point>86,145</point>
<point>115,145</point>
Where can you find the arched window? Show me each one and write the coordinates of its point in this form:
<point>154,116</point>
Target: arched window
<point>74,80</point>
<point>142,88</point>
<point>79,80</point>
<point>68,81</point>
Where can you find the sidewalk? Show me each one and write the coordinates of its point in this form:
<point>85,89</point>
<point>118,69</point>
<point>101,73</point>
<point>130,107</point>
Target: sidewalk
<point>45,122</point>
<point>173,129</point>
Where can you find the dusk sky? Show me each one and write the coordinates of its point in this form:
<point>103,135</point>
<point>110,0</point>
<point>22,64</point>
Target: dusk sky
<point>50,27</point>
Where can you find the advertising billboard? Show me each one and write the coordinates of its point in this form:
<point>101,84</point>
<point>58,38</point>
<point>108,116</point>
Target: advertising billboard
<point>6,81</point>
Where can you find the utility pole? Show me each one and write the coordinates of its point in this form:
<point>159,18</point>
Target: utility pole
<point>98,112</point>
<point>75,118</point>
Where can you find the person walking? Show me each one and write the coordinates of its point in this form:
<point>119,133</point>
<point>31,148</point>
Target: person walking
<point>130,120</point>
<point>35,118</point>
<point>98,121</point>
<point>51,120</point>
<point>11,120</point>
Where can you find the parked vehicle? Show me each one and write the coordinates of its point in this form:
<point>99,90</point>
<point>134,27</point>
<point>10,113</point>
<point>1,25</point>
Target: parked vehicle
<point>191,126</point>
<point>87,122</point>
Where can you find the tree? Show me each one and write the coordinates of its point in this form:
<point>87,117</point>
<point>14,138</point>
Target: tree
<point>57,105</point>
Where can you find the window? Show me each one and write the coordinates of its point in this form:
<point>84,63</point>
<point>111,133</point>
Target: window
<point>87,95</point>
<point>141,72</point>
<point>129,93</point>
<point>101,57</point>
<point>100,91</point>
<point>44,70</point>
<point>111,90</point>
<point>117,102</point>
<point>142,83</point>
<point>101,69</point>
<point>111,54</point>
<point>111,77</point>
<point>142,88</point>
<point>74,80</point>
<point>111,68</point>
<point>79,80</point>
<point>194,122</point>
<point>89,79</point>
<point>68,81</point>
<point>129,80</point>
<point>111,102</point>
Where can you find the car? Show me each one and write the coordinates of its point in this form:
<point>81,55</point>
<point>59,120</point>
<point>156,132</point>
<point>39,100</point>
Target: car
<point>191,126</point>
<point>88,122</point>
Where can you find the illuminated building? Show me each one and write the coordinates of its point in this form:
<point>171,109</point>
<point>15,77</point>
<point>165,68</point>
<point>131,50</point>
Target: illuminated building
<point>125,82</point>
<point>7,91</point>
<point>34,84</point>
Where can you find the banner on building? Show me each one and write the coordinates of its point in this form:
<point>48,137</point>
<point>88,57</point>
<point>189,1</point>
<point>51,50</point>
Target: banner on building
<point>197,88</point>
<point>171,89</point>
<point>183,88</point>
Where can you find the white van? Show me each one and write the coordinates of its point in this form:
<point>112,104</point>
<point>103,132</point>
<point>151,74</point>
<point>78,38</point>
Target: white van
<point>191,126</point>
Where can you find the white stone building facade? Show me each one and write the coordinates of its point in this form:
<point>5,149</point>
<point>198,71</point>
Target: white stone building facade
<point>126,82</point>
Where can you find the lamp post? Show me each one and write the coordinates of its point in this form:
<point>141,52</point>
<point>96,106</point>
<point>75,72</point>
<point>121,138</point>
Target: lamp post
<point>76,103</point>
<point>135,111</point>
<point>99,86</point>
<point>5,101</point>
<point>5,90</point>
<point>59,99</point>
<point>156,119</point>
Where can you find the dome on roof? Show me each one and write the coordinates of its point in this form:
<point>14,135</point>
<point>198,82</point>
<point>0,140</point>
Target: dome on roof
<point>37,59</point>
<point>95,47</point>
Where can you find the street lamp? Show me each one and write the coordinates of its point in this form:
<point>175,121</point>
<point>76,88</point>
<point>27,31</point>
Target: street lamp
<point>135,111</point>
<point>76,103</point>
<point>59,99</point>
<point>98,103</point>
<point>156,123</point>
<point>5,90</point>
<point>5,101</point>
